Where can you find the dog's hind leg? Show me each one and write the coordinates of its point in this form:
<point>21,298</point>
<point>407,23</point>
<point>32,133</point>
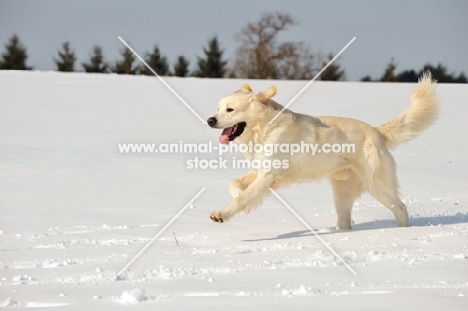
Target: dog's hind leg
<point>239,184</point>
<point>347,188</point>
<point>389,198</point>
<point>385,190</point>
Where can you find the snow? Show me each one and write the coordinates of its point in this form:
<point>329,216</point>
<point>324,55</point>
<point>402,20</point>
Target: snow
<point>74,211</point>
<point>132,297</point>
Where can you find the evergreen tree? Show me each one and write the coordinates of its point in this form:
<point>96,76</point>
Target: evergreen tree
<point>407,76</point>
<point>461,78</point>
<point>366,79</point>
<point>125,66</point>
<point>15,56</point>
<point>333,72</point>
<point>157,62</point>
<point>440,73</point>
<point>181,68</point>
<point>389,74</point>
<point>213,65</point>
<point>66,60</point>
<point>96,62</point>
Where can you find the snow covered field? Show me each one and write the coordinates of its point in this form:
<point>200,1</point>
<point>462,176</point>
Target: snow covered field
<point>74,210</point>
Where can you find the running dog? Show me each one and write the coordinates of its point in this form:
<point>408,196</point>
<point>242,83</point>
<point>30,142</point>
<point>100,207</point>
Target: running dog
<point>244,117</point>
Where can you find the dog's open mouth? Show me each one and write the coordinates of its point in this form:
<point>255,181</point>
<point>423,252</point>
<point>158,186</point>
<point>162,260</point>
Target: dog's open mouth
<point>230,133</point>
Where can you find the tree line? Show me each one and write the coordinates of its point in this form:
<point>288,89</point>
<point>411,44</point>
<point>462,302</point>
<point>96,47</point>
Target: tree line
<point>15,56</point>
<point>260,55</point>
<point>439,72</point>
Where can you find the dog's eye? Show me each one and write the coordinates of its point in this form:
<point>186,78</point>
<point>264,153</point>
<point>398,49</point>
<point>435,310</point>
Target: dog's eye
<point>229,110</point>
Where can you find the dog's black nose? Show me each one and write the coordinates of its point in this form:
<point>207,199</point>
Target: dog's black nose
<point>212,121</point>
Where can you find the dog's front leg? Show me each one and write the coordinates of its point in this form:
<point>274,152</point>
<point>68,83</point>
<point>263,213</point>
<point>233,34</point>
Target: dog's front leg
<point>250,198</point>
<point>239,184</point>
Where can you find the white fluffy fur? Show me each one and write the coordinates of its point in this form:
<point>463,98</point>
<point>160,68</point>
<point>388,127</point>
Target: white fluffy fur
<point>371,168</point>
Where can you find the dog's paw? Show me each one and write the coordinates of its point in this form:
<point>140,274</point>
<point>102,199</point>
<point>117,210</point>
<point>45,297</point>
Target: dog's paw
<point>343,228</point>
<point>216,217</point>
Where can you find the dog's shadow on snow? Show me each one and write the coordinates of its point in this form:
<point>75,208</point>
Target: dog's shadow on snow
<point>373,225</point>
<point>294,234</point>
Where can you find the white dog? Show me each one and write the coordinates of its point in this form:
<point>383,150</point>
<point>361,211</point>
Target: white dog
<point>244,117</point>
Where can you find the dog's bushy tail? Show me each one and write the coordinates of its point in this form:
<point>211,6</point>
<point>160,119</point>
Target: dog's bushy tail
<point>422,112</point>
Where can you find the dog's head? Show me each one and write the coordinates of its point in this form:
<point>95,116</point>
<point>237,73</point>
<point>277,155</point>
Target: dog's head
<point>238,111</point>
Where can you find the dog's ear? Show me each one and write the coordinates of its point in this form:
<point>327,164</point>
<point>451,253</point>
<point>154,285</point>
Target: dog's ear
<point>245,88</point>
<point>263,97</point>
<point>270,92</point>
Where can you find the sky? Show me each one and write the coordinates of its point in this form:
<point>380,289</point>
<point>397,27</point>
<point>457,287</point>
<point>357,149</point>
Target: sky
<point>413,32</point>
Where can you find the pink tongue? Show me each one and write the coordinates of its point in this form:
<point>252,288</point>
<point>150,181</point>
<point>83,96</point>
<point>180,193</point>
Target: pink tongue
<point>224,137</point>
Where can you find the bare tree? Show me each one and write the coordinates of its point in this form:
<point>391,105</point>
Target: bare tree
<point>260,56</point>
<point>295,62</point>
